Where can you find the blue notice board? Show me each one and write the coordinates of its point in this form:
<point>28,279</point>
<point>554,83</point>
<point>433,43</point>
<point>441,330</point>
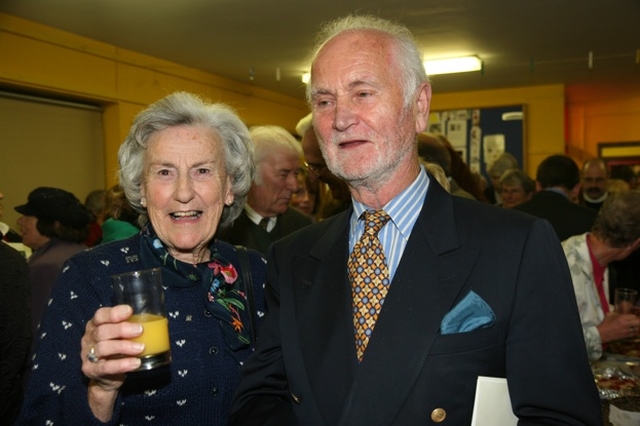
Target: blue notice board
<point>477,133</point>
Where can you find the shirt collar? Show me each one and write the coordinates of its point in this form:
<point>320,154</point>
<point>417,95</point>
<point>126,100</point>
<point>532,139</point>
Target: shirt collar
<point>404,208</point>
<point>256,218</point>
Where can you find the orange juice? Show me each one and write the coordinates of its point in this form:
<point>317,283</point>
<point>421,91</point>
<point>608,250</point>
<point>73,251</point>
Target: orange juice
<point>155,334</point>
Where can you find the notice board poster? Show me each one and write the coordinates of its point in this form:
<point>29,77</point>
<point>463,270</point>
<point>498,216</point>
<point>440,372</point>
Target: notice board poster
<point>480,135</point>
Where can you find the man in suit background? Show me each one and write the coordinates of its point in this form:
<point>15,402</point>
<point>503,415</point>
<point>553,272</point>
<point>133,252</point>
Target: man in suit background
<point>558,186</point>
<point>267,216</point>
<point>471,290</point>
<point>594,183</point>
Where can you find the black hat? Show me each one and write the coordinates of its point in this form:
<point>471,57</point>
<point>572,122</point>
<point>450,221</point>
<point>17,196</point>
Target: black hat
<point>56,204</point>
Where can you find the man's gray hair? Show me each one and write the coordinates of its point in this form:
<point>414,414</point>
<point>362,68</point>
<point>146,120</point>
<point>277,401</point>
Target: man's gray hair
<point>618,221</point>
<point>270,140</point>
<point>407,53</point>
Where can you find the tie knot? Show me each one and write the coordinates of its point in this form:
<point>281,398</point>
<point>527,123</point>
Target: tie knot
<point>374,220</point>
<point>264,223</point>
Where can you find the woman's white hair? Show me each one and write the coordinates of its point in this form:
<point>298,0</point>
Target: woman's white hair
<point>186,109</point>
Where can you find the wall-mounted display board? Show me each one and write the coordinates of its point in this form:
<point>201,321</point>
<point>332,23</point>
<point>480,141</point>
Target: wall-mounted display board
<point>480,135</point>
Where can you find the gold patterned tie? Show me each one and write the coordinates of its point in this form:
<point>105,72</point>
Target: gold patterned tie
<point>369,278</point>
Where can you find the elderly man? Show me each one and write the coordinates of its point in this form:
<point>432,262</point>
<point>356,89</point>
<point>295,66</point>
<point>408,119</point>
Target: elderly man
<point>267,216</point>
<point>594,180</point>
<point>614,236</point>
<point>387,313</point>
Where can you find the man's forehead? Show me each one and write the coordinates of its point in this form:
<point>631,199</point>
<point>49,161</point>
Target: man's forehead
<point>362,43</point>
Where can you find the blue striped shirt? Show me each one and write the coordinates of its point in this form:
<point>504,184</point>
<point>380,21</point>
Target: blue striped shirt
<point>403,209</point>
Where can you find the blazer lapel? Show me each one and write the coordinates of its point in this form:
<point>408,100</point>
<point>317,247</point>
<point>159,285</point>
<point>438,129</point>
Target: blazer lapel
<point>430,276</point>
<point>323,317</point>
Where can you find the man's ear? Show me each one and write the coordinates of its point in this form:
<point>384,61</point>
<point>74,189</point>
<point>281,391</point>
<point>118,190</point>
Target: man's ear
<point>423,102</point>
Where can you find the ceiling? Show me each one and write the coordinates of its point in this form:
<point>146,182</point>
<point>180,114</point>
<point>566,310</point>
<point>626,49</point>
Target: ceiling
<point>521,42</point>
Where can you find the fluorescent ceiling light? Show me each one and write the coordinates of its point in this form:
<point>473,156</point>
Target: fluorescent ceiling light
<point>439,66</point>
<point>453,65</point>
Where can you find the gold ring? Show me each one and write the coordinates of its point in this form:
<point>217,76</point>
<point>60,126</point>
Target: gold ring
<point>92,356</point>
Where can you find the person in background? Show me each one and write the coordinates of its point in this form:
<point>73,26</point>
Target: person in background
<point>516,187</point>
<point>557,185</point>
<point>433,150</point>
<point>594,181</point>
<point>454,299</point>
<point>624,173</point>
<point>267,216</point>
<point>122,221</point>
<point>15,330</point>
<point>95,202</point>
<point>54,224</point>
<point>614,236</point>
<point>308,197</point>
<point>318,170</point>
<point>8,234</point>
<point>186,167</point>
<point>470,181</point>
<point>498,166</point>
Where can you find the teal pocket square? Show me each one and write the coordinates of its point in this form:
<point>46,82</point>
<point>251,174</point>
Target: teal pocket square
<point>471,313</point>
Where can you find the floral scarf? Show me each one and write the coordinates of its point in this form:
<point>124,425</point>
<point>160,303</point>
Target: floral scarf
<point>224,295</point>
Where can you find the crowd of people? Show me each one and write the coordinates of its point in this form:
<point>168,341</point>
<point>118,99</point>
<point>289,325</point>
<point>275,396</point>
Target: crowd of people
<point>472,279</point>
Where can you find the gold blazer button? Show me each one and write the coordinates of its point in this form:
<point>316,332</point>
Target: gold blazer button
<point>438,415</point>
<point>295,398</point>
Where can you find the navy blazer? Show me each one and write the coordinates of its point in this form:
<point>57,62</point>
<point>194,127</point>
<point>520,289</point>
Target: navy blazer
<point>304,371</point>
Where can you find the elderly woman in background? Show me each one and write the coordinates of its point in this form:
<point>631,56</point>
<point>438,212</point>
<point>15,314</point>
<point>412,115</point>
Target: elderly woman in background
<point>516,188</point>
<point>496,169</point>
<point>187,166</point>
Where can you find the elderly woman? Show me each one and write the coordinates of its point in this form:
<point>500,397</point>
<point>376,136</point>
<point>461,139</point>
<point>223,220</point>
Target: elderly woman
<point>187,166</point>
<point>515,188</point>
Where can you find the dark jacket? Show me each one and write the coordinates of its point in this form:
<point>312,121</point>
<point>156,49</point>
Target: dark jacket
<point>567,218</point>
<point>305,370</point>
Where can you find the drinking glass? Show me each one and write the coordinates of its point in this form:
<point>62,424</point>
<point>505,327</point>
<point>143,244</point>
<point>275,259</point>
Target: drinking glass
<point>142,290</point>
<point>625,300</point>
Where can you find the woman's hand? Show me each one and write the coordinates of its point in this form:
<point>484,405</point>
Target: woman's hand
<point>107,356</point>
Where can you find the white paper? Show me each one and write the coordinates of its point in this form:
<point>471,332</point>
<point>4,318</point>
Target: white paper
<point>619,417</point>
<point>457,133</point>
<point>492,405</point>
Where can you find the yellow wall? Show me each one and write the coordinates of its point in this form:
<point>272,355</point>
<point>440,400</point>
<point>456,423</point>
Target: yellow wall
<point>602,113</point>
<point>46,60</point>
<point>41,58</point>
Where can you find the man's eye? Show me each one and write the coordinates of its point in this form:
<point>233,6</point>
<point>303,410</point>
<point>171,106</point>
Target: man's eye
<point>322,103</point>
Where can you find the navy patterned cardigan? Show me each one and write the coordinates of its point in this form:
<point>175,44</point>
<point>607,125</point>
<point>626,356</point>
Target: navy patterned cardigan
<point>198,386</point>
